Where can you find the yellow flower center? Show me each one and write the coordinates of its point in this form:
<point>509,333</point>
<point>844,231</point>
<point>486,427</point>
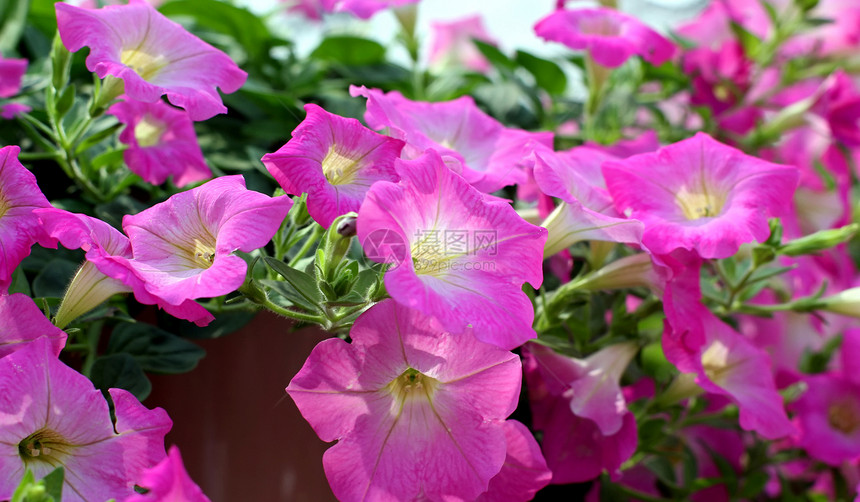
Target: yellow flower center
<point>715,361</point>
<point>45,446</point>
<point>339,169</point>
<point>699,203</point>
<point>148,131</point>
<point>844,416</point>
<point>146,65</point>
<point>412,385</point>
<point>4,206</point>
<point>202,253</point>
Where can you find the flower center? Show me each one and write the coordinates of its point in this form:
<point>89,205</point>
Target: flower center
<point>202,254</point>
<point>844,416</point>
<point>413,385</point>
<point>715,362</point>
<point>601,26</point>
<point>44,446</point>
<point>339,169</point>
<point>146,65</point>
<point>699,204</point>
<point>148,131</point>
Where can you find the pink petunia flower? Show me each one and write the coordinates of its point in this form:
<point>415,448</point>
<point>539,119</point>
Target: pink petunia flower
<point>19,227</point>
<point>452,44</point>
<point>23,322</point>
<point>104,274</point>
<point>729,365</point>
<point>576,448</point>
<point>609,36</point>
<point>168,482</point>
<point>417,411</point>
<point>586,212</point>
<point>161,143</point>
<point>11,73</point>
<point>51,416</point>
<point>699,194</point>
<point>153,55</point>
<point>458,256</point>
<point>524,471</point>
<point>487,154</point>
<point>365,9</point>
<point>335,160</point>
<point>828,418</point>
<point>183,247</point>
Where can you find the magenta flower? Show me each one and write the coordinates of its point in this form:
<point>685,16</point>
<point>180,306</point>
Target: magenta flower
<point>575,448</point>
<point>23,322</point>
<point>452,44</point>
<point>153,55</point>
<point>19,227</point>
<point>104,274</point>
<point>609,36</point>
<point>828,418</point>
<point>729,365</point>
<point>586,212</point>
<point>488,155</point>
<point>183,247</point>
<point>524,471</point>
<point>51,416</point>
<point>364,9</point>
<point>168,481</point>
<point>458,257</point>
<point>416,410</point>
<point>701,195</point>
<point>161,143</point>
<point>335,160</point>
<point>11,73</point>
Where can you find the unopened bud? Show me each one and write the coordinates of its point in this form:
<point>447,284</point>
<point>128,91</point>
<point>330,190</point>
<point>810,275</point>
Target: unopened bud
<point>819,241</point>
<point>88,289</point>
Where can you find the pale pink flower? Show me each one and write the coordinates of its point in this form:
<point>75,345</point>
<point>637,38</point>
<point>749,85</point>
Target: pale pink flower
<point>104,274</point>
<point>153,55</point>
<point>161,143</point>
<point>168,482</point>
<point>19,227</point>
<point>335,160</point>
<point>576,448</point>
<point>23,322</point>
<point>183,247</point>
<point>364,9</point>
<point>609,36</point>
<point>452,43</point>
<point>417,411</point>
<point>699,194</point>
<point>458,256</point>
<point>52,416</point>
<point>729,365</point>
<point>487,154</point>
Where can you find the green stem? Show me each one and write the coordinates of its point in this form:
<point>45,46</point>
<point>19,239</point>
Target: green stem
<point>312,240</point>
<point>92,342</point>
<point>636,494</point>
<point>292,314</point>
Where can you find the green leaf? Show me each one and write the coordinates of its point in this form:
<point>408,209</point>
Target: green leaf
<point>154,349</point>
<point>548,75</point>
<point>19,282</point>
<point>496,57</point>
<point>120,371</point>
<point>302,283</point>
<point>289,292</point>
<point>54,483</point>
<point>349,50</point>
<point>15,17</point>
<point>754,484</point>
<point>751,43</point>
<point>54,278</point>
<point>224,324</point>
<point>245,28</point>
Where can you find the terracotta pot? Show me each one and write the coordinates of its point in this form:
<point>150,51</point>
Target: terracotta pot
<point>241,437</point>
